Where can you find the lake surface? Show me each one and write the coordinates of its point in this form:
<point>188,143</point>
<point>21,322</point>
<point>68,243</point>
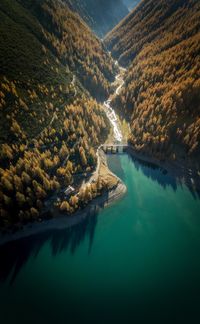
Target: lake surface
<point>136,261</point>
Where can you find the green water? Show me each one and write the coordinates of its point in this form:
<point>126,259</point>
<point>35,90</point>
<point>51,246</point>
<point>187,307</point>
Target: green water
<point>137,261</point>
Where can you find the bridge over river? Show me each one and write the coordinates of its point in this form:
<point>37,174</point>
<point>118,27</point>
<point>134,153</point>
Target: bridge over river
<point>115,148</point>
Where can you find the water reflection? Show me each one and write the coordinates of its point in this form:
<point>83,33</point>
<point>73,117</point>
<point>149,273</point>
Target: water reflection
<point>174,177</point>
<point>155,173</point>
<point>150,170</point>
<point>14,255</point>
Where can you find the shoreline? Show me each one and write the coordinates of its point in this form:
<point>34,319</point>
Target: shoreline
<point>107,198</point>
<point>116,190</point>
<point>63,222</point>
<point>184,171</point>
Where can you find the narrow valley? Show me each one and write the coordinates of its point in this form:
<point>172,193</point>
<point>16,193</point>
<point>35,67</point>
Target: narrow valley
<point>99,161</point>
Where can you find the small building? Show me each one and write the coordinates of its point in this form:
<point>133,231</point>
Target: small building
<point>69,190</point>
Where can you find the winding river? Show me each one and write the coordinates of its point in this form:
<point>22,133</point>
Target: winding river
<point>110,112</point>
<point>135,261</point>
<point>113,120</point>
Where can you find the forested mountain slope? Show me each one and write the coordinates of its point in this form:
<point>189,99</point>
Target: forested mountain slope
<point>51,64</point>
<point>41,47</point>
<point>100,15</point>
<point>160,43</point>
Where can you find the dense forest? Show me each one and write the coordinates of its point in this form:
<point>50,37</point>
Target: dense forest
<point>46,52</point>
<point>100,15</point>
<point>53,68</point>
<point>55,74</point>
<point>159,42</point>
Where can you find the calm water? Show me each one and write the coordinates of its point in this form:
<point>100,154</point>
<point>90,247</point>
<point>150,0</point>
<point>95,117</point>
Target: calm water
<point>137,261</point>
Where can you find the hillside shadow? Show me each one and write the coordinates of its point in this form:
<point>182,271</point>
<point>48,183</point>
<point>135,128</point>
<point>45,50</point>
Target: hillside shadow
<point>150,170</point>
<point>14,255</point>
<point>155,173</point>
<point>173,177</point>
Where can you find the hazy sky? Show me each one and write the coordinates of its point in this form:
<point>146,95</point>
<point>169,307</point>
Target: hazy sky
<point>131,3</point>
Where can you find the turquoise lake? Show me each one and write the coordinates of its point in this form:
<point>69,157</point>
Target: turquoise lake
<point>136,261</point>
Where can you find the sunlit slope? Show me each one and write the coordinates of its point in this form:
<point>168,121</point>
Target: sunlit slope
<point>160,43</point>
<point>50,126</point>
<point>42,45</point>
